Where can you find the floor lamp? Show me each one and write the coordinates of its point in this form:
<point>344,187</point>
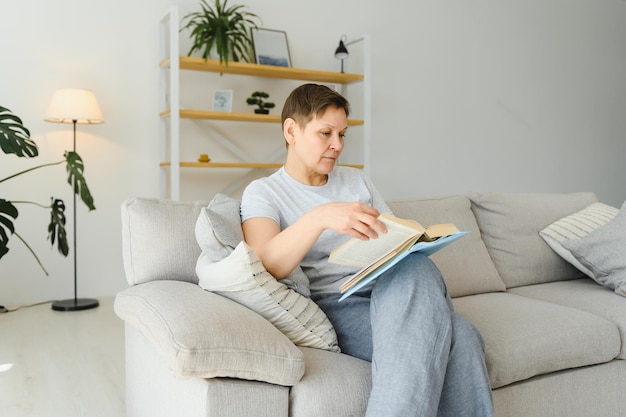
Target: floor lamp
<point>75,106</point>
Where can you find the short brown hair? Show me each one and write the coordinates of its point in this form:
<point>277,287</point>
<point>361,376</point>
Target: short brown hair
<point>311,100</point>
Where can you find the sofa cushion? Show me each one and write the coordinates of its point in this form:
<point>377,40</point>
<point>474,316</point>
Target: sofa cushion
<point>526,337</point>
<point>583,294</point>
<point>510,225</point>
<point>603,253</point>
<point>202,334</point>
<point>576,226</point>
<point>241,277</point>
<point>333,384</point>
<point>158,240</point>
<point>466,265</point>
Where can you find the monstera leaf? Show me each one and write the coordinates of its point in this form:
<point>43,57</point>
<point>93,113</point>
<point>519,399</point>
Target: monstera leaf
<point>75,168</point>
<point>8,213</point>
<point>56,228</point>
<point>14,137</point>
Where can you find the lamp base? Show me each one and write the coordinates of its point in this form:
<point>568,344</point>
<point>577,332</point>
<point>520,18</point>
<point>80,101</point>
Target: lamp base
<point>75,304</point>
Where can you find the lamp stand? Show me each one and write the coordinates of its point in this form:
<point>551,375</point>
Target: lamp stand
<point>75,304</point>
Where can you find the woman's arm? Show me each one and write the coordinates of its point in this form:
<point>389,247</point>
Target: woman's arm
<point>282,251</point>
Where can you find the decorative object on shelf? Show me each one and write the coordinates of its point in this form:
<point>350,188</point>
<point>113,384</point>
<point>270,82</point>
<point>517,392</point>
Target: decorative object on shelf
<point>204,157</point>
<point>15,139</point>
<point>223,29</point>
<point>75,106</point>
<point>256,99</point>
<point>271,47</point>
<point>223,100</point>
<point>342,51</point>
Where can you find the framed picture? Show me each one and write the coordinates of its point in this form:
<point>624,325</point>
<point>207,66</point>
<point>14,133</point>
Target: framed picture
<point>270,47</point>
<point>223,100</point>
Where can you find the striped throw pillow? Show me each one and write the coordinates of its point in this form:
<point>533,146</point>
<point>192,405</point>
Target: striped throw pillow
<point>242,278</point>
<point>577,226</point>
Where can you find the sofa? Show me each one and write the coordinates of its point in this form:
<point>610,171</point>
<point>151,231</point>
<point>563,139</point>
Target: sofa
<point>555,339</point>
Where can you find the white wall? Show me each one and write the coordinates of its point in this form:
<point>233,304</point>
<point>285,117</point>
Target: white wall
<point>479,95</point>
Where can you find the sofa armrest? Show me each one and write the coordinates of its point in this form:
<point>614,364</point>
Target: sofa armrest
<point>201,334</point>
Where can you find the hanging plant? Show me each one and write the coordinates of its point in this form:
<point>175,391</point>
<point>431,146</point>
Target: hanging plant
<point>225,29</point>
<point>15,139</point>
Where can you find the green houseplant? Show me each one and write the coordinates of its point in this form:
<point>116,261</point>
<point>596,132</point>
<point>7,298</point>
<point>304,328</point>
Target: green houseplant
<point>257,99</point>
<point>15,139</point>
<point>225,29</point>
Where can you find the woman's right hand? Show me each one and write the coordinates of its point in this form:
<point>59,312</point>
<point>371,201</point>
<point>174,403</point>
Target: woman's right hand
<point>355,219</point>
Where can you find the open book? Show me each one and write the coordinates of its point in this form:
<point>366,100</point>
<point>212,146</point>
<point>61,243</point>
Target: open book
<point>375,256</point>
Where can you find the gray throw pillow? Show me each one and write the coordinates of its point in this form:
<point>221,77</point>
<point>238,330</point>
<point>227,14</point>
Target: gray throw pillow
<point>218,232</point>
<point>576,226</point>
<point>218,228</point>
<point>603,253</point>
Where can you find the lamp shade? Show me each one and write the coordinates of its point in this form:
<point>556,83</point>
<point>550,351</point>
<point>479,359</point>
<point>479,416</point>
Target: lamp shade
<point>74,104</point>
<point>341,52</point>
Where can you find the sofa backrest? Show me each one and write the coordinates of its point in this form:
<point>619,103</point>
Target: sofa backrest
<point>465,265</point>
<point>503,249</point>
<point>158,240</point>
<point>510,225</point>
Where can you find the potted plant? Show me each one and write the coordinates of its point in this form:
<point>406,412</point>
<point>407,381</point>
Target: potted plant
<point>15,139</point>
<point>257,99</point>
<point>222,28</point>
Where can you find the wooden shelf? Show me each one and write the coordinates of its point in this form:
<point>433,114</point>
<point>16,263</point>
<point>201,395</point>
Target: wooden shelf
<point>236,117</point>
<point>267,71</point>
<point>172,64</point>
<point>236,165</point>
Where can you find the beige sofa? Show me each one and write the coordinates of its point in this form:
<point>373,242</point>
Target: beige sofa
<point>555,339</point>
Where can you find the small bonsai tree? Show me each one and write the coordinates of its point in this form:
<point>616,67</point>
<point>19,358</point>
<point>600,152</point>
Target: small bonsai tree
<point>257,99</point>
<point>15,139</point>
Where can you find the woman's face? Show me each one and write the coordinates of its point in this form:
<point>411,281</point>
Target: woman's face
<point>315,149</point>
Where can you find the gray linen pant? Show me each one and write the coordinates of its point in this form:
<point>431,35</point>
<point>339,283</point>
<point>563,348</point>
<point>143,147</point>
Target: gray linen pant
<point>426,359</point>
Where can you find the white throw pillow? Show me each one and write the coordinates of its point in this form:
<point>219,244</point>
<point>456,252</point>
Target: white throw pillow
<point>241,277</point>
<point>577,226</point>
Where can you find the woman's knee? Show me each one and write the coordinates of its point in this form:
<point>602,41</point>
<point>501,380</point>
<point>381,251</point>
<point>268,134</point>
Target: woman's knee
<point>415,274</point>
<point>466,334</point>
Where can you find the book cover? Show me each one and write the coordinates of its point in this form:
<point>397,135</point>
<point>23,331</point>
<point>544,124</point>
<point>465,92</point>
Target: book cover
<point>376,256</point>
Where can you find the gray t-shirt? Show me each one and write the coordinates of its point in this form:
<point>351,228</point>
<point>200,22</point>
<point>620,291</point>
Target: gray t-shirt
<point>284,200</point>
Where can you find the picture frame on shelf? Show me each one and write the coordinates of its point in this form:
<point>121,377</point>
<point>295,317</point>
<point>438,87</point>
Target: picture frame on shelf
<point>223,100</point>
<point>271,47</point>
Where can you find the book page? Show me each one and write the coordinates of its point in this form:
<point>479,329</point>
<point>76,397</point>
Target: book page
<point>439,230</point>
<point>366,275</point>
<point>404,247</point>
<point>361,253</point>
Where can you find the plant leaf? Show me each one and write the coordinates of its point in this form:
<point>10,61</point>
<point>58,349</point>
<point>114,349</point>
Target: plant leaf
<point>56,228</point>
<point>14,136</point>
<point>75,178</point>
<point>224,29</point>
<point>8,213</point>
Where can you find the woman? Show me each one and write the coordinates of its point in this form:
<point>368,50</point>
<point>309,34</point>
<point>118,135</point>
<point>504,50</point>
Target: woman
<point>426,360</point>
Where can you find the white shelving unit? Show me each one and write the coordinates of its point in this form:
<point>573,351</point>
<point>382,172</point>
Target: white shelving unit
<point>171,112</point>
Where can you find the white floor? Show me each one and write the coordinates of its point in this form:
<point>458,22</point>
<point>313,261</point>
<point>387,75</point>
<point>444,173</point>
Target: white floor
<point>68,364</point>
